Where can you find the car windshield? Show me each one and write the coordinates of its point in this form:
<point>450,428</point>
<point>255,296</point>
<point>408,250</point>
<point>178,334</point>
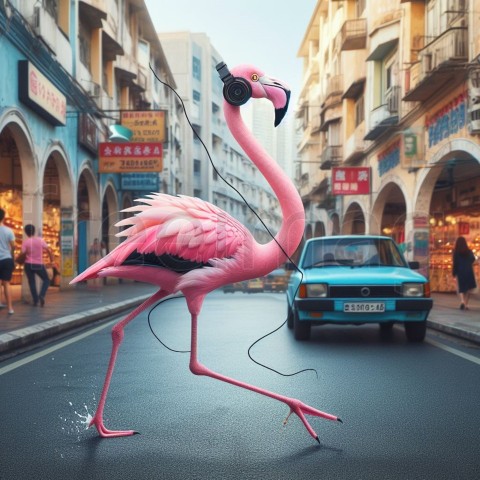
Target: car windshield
<point>353,252</point>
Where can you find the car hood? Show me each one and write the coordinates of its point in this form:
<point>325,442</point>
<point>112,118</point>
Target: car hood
<point>361,275</point>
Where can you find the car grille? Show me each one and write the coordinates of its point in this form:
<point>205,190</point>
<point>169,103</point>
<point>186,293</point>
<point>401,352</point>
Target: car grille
<point>376,291</point>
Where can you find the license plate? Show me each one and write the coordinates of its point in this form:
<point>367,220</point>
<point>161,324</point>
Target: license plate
<point>363,307</point>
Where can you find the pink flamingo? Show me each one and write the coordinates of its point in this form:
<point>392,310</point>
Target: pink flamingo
<point>184,244</point>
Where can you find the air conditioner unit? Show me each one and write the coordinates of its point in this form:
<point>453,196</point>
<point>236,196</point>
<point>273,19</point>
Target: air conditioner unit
<point>473,125</point>
<point>94,89</point>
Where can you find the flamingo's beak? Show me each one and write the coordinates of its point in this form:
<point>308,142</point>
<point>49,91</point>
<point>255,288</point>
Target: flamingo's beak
<point>279,94</point>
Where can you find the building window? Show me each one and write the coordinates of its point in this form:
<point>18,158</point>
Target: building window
<point>197,193</point>
<point>359,110</point>
<point>197,166</point>
<point>196,68</point>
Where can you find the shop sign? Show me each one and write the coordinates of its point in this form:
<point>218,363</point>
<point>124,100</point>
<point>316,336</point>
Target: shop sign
<point>389,158</point>
<point>39,93</point>
<point>140,182</point>
<point>130,157</point>
<point>420,222</point>
<point>351,180</point>
<point>447,121</point>
<point>66,246</point>
<point>412,154</point>
<point>463,228</point>
<point>87,132</point>
<point>147,126</point>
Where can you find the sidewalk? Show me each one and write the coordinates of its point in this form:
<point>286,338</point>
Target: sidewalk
<point>66,309</point>
<point>82,304</point>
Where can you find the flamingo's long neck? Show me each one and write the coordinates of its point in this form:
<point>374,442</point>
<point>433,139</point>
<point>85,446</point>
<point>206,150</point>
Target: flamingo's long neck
<point>293,222</point>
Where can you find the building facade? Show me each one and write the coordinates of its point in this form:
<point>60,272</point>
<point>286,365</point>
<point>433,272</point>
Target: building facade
<point>71,70</point>
<point>391,88</point>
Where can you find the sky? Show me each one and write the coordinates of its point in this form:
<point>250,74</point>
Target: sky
<point>264,33</point>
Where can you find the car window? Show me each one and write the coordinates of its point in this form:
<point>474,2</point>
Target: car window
<point>352,252</point>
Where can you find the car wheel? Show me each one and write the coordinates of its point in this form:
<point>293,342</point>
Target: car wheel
<point>301,330</point>
<point>289,317</point>
<point>415,331</point>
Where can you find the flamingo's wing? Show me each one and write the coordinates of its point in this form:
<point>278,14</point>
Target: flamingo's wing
<point>186,227</point>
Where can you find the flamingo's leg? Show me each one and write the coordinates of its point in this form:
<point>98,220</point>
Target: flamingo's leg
<point>117,337</point>
<point>296,406</point>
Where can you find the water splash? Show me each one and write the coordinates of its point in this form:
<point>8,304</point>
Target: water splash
<point>79,423</point>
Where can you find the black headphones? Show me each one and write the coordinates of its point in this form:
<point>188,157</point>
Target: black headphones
<point>236,90</point>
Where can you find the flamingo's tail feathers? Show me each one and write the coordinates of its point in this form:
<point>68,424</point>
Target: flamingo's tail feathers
<point>91,272</point>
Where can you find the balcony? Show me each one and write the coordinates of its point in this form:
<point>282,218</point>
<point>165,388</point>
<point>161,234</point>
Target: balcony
<point>438,65</point>
<point>333,93</point>
<point>353,35</point>
<point>386,115</point>
<point>330,157</point>
<point>355,146</point>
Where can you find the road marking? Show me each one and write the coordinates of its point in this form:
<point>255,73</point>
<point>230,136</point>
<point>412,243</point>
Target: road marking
<point>459,353</point>
<point>49,350</point>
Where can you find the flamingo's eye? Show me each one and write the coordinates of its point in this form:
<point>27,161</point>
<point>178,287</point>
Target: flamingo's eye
<point>254,77</point>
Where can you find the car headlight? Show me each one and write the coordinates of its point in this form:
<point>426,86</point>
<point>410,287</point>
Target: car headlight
<point>413,290</point>
<point>313,290</point>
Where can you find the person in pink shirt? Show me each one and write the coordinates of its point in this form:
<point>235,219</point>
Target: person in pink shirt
<point>34,247</point>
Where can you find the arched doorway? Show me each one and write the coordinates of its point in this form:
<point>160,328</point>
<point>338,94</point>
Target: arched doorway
<point>19,189</point>
<point>454,211</point>
<point>109,219</point>
<point>354,220</point>
<point>319,229</point>
<point>390,207</point>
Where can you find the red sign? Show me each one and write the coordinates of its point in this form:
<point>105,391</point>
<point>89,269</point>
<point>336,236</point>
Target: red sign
<point>351,180</point>
<point>130,157</point>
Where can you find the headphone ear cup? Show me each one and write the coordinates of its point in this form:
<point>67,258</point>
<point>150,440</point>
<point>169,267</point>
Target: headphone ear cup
<point>237,92</point>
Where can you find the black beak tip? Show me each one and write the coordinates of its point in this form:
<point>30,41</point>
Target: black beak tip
<point>280,112</point>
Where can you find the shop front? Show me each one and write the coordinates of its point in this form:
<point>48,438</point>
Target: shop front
<point>450,186</point>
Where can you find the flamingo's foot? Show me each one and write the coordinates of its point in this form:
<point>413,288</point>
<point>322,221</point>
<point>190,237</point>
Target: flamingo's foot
<point>301,409</point>
<point>106,433</point>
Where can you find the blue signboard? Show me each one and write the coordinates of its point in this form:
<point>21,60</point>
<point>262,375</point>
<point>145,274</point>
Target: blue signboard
<point>140,181</point>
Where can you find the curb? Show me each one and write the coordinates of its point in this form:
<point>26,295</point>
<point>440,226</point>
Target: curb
<point>456,331</point>
<point>28,335</point>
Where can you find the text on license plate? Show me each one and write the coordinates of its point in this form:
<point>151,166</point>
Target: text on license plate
<point>361,307</point>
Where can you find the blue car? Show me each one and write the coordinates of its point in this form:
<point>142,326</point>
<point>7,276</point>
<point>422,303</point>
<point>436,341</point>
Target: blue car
<point>357,279</point>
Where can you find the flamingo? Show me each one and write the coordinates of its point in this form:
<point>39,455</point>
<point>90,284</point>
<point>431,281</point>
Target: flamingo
<point>186,245</point>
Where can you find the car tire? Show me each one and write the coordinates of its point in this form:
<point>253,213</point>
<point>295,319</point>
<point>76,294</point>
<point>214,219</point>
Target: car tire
<point>289,317</point>
<point>301,330</point>
<point>415,331</point>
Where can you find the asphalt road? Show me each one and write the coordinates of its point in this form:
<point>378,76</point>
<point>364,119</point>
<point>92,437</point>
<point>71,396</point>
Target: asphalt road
<point>409,411</point>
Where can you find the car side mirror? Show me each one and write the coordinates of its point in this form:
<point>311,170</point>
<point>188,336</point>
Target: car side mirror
<point>414,265</point>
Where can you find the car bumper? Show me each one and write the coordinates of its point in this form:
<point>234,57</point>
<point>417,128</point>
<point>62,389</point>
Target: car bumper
<point>331,311</point>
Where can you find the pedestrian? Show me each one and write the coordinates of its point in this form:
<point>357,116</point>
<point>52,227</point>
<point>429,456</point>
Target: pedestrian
<point>7,247</point>
<point>34,247</point>
<point>462,269</point>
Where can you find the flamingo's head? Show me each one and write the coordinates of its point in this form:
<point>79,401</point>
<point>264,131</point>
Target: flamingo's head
<point>246,81</point>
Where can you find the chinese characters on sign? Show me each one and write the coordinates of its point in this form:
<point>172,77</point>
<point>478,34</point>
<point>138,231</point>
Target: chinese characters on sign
<point>350,180</point>
<point>147,126</point>
<point>130,157</point>
<point>40,94</point>
<point>447,121</point>
<point>389,158</point>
